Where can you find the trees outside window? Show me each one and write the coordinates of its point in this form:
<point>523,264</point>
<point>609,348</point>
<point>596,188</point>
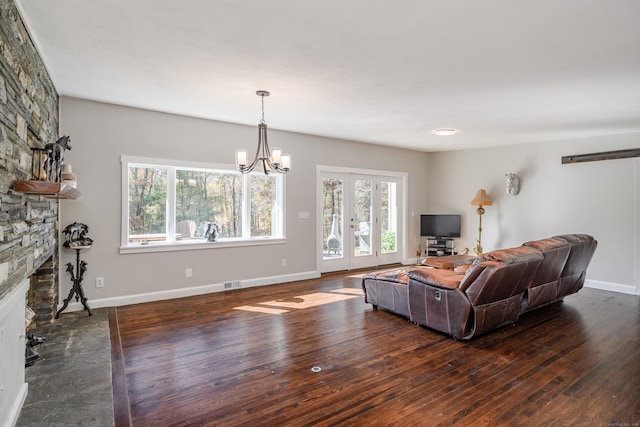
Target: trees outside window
<point>147,200</point>
<point>203,196</point>
<point>173,203</point>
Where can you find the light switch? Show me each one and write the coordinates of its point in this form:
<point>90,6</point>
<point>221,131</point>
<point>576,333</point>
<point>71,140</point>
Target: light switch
<point>303,215</point>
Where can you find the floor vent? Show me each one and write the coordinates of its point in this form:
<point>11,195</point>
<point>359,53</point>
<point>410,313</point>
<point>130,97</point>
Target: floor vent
<point>232,285</point>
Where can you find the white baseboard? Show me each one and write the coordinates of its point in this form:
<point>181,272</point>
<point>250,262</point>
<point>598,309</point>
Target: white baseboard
<point>187,292</point>
<point>613,287</point>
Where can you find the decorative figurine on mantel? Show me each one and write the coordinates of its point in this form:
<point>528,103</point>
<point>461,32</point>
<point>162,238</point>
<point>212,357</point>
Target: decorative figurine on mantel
<point>56,157</point>
<point>39,164</point>
<point>76,238</point>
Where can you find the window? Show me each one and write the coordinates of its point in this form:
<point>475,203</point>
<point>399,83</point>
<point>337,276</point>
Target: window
<point>171,203</point>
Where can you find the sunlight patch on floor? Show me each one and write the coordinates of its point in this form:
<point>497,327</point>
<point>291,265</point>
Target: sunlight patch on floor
<point>353,291</point>
<point>303,301</point>
<point>261,309</point>
<point>309,300</point>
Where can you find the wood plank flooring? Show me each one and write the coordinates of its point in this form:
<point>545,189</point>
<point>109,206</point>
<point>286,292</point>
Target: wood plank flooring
<point>197,361</point>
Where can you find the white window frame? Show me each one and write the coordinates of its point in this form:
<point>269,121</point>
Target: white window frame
<point>170,244</point>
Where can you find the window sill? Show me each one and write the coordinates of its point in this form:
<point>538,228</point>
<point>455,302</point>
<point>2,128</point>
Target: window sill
<point>190,246</point>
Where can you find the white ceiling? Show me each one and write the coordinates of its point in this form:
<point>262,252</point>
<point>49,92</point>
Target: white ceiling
<point>378,71</point>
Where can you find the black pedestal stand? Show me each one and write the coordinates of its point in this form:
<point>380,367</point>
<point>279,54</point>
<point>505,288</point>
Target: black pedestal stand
<point>81,267</point>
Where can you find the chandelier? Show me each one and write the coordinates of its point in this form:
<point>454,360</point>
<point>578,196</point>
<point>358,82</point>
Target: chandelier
<point>269,160</point>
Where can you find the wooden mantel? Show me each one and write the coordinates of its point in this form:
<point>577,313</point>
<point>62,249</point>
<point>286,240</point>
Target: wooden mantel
<point>46,188</point>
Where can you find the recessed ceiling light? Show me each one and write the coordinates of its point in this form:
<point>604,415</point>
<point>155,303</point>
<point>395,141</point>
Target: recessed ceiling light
<point>444,132</point>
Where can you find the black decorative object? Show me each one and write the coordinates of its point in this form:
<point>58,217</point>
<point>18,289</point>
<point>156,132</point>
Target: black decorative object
<point>30,355</point>
<point>76,238</point>
<point>212,231</point>
<point>76,235</point>
<point>56,157</point>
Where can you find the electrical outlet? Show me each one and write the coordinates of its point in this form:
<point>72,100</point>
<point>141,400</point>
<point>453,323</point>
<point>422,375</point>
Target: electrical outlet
<point>99,282</point>
<point>284,262</point>
<point>188,272</point>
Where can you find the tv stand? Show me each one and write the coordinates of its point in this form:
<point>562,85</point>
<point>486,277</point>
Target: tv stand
<point>440,246</point>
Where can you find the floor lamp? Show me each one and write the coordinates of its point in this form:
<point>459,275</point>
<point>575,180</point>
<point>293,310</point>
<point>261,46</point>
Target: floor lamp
<point>480,200</point>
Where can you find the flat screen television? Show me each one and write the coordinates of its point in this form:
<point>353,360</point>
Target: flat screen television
<point>440,225</point>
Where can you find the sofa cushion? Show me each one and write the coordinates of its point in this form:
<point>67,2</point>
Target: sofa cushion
<point>517,254</point>
<point>543,288</point>
<point>462,269</point>
<point>448,262</point>
<point>510,274</point>
<point>573,275</point>
<point>544,244</point>
<point>441,278</point>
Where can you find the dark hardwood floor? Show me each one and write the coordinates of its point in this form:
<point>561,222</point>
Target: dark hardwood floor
<point>199,361</point>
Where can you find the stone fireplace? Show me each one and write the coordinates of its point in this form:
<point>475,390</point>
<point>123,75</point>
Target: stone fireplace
<point>28,223</point>
<point>28,119</point>
<point>43,291</point>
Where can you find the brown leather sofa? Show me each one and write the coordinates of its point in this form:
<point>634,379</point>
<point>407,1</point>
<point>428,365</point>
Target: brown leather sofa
<point>497,288</point>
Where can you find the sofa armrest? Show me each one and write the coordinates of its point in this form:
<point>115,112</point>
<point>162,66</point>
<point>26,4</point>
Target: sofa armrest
<point>444,279</point>
<point>398,275</point>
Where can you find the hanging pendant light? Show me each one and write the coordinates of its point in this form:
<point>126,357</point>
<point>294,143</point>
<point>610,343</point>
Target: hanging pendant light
<point>269,160</point>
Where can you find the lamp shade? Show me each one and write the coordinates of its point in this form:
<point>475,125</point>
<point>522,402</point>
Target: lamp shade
<point>241,158</point>
<point>481,199</point>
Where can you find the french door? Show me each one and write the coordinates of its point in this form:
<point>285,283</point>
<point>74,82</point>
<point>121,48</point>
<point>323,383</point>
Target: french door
<point>360,220</point>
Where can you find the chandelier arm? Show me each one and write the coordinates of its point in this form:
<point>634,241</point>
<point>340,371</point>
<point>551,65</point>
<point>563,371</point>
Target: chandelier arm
<point>266,152</point>
<point>255,160</point>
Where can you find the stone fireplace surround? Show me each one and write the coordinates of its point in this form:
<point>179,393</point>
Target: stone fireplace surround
<point>43,291</point>
<point>28,223</point>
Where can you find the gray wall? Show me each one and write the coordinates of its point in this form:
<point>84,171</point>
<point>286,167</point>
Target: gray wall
<point>599,198</point>
<point>101,133</point>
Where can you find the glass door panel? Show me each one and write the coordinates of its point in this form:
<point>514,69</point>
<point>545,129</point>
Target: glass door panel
<point>332,218</point>
<point>388,223</point>
<point>364,233</point>
<point>390,214</point>
<point>362,217</point>
<point>333,245</point>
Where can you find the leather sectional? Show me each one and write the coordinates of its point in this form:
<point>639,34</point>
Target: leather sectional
<point>493,291</point>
